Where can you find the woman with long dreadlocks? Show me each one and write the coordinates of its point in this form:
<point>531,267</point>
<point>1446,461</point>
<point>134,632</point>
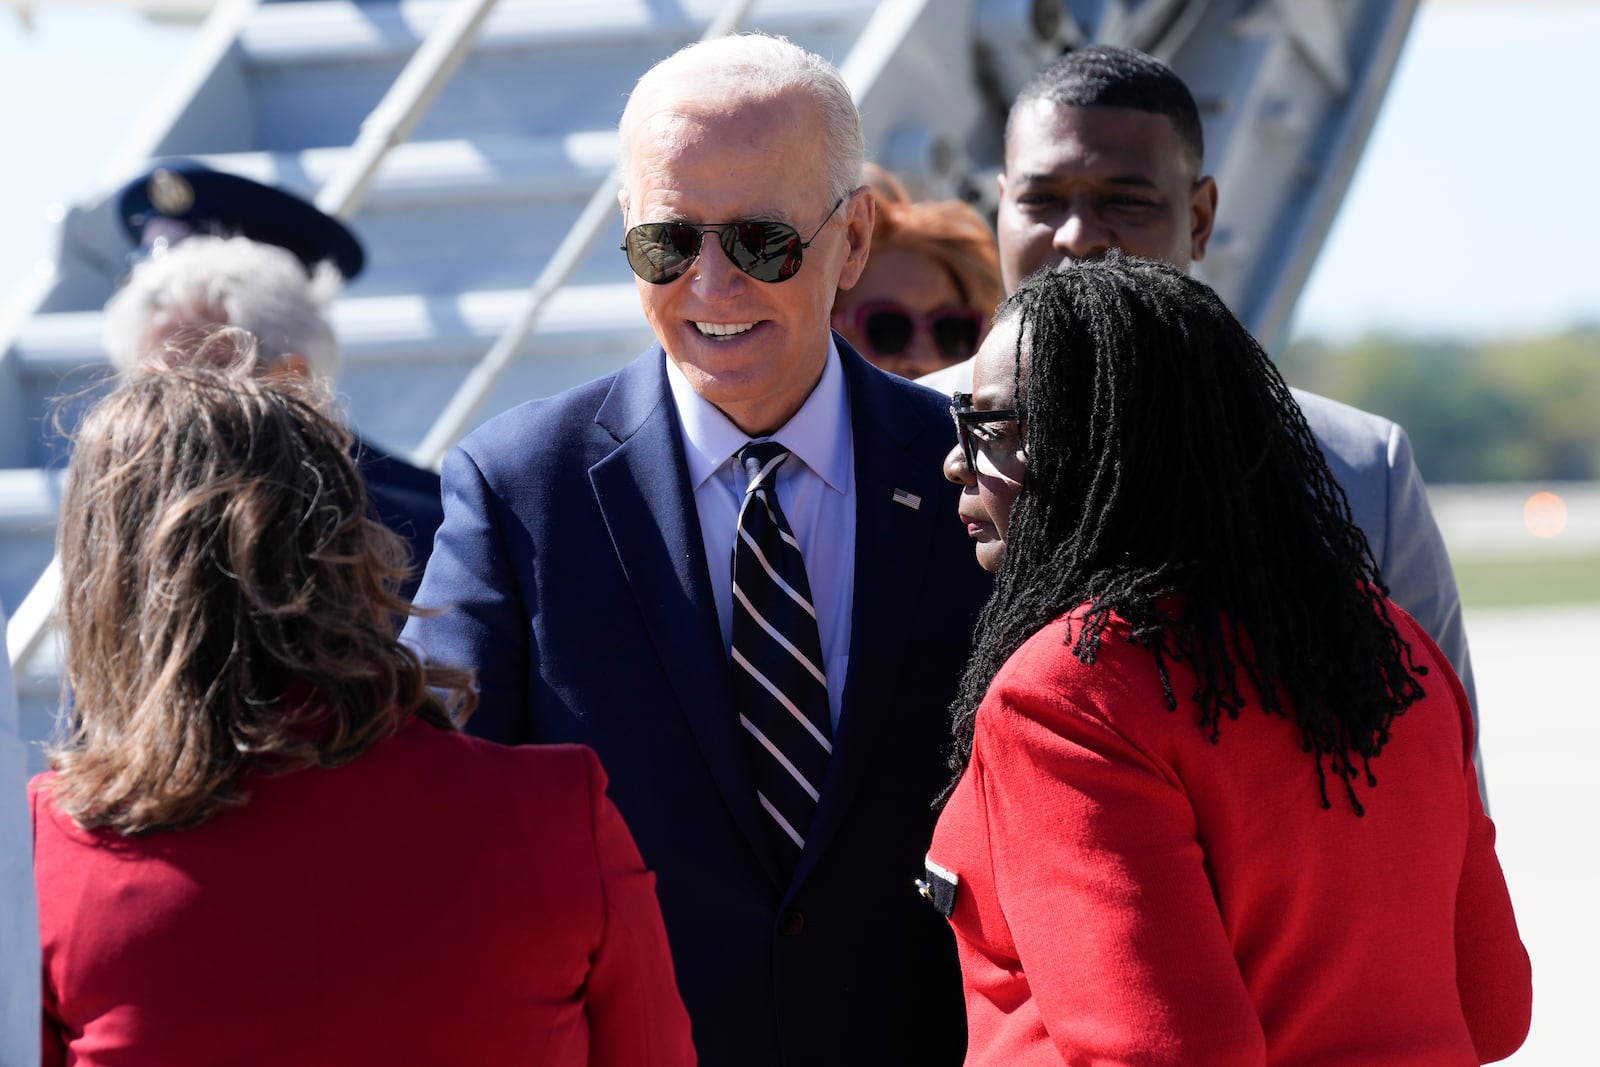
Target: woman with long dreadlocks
<point>1168,843</point>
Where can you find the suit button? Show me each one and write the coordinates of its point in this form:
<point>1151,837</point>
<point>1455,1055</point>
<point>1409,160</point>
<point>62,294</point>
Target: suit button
<point>791,923</point>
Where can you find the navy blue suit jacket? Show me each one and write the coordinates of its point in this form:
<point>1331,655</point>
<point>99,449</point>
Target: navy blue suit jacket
<point>406,499</point>
<point>574,576</point>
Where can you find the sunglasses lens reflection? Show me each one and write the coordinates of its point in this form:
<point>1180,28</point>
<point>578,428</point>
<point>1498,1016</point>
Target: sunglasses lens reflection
<point>767,251</point>
<point>658,252</point>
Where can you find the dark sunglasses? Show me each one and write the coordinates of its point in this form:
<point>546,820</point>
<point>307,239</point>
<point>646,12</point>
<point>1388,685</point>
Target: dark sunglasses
<point>974,427</point>
<point>888,328</point>
<point>660,252</point>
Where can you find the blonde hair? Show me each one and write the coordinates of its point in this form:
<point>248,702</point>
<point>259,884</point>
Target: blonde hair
<point>228,602</point>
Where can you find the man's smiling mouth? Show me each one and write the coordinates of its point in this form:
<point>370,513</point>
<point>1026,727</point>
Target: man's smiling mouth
<point>723,329</point>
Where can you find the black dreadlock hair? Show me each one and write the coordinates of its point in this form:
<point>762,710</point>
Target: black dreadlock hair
<point>1172,480</point>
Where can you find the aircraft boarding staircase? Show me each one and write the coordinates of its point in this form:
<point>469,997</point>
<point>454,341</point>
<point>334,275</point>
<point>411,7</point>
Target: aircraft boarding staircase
<point>491,225</point>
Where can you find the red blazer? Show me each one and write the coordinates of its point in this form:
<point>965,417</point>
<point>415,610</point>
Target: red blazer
<point>1129,893</point>
<point>440,900</point>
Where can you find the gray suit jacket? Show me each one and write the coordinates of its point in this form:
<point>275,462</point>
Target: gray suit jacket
<point>1371,458</point>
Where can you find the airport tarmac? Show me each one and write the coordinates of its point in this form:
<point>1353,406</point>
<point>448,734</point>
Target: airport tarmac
<point>1541,744</point>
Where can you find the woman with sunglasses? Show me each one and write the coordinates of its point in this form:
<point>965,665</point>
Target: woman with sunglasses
<point>1215,801</point>
<point>930,284</point>
<point>264,840</point>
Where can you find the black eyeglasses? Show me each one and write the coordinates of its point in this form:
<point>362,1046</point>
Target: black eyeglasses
<point>975,430</point>
<point>660,252</point>
<point>889,327</point>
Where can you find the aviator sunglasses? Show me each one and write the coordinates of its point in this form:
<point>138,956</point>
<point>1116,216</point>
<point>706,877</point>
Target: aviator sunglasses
<point>660,252</point>
<point>888,328</point>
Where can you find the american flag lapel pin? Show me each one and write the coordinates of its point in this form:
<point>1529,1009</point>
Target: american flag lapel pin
<point>910,500</point>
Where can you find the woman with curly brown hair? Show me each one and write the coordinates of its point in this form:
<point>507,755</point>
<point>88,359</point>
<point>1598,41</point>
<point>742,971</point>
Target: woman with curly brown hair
<point>263,840</point>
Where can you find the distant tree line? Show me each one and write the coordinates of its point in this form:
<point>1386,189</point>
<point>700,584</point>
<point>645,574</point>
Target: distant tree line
<point>1493,411</point>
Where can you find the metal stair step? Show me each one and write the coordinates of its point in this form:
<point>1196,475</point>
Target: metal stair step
<point>443,216</point>
<point>422,174</point>
<point>381,331</point>
<point>317,69</point>
<point>401,355</point>
<point>341,31</point>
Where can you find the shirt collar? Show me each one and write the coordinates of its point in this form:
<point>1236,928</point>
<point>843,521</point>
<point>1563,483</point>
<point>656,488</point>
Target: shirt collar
<point>819,433</point>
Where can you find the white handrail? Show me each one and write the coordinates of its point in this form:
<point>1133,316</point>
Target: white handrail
<point>487,372</point>
<point>388,125</point>
<point>403,106</point>
<point>31,622</point>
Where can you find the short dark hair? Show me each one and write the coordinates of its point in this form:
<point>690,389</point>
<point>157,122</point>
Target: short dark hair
<point>1107,76</point>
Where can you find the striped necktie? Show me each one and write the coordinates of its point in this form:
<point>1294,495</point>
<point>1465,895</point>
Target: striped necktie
<point>778,682</point>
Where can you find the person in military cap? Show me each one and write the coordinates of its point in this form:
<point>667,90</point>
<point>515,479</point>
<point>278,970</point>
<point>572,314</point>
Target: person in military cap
<point>179,199</point>
<point>216,249</point>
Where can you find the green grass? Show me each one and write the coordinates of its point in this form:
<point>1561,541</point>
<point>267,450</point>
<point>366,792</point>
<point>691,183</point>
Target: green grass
<point>1502,583</point>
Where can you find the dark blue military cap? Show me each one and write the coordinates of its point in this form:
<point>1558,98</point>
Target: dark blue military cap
<point>182,197</point>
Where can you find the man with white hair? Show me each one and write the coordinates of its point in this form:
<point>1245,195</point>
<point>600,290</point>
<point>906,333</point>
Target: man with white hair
<point>730,569</point>
<point>222,250</point>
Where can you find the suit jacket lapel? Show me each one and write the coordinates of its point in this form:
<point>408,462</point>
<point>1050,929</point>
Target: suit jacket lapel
<point>644,495</point>
<point>893,542</point>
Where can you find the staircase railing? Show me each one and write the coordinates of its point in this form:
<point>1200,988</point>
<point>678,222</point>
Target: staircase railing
<point>469,397</point>
<point>388,125</point>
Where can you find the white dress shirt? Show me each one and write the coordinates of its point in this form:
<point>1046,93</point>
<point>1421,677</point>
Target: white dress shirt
<point>816,490</point>
<point>19,921</point>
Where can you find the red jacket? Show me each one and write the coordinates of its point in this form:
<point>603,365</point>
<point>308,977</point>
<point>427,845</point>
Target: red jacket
<point>439,900</point>
<point>1130,893</point>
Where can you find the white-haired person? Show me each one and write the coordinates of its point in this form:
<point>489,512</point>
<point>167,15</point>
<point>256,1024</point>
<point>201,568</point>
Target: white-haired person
<point>217,249</point>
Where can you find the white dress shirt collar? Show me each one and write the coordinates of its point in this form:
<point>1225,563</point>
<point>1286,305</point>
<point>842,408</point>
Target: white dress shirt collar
<point>818,433</point>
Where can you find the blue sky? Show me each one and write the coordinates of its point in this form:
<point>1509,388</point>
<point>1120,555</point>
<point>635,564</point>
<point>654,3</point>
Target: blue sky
<point>1473,212</point>
<point>1476,206</point>
<point>71,89</point>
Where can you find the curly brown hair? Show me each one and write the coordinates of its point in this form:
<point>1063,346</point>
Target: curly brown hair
<point>229,602</point>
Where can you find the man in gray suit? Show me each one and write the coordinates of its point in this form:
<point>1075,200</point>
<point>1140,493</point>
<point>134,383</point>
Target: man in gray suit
<point>1104,150</point>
